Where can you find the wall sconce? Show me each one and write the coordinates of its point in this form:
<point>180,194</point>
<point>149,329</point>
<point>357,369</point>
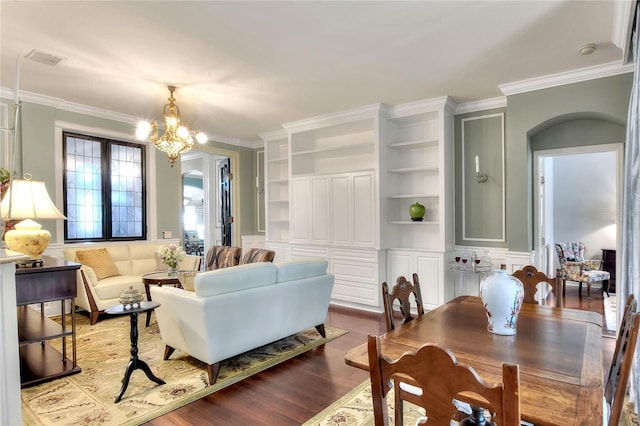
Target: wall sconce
<point>482,178</point>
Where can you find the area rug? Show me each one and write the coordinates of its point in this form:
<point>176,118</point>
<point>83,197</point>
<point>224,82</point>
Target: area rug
<point>356,409</point>
<point>87,398</point>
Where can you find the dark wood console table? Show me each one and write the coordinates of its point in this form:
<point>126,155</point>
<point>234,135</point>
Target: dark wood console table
<point>609,265</point>
<point>55,280</point>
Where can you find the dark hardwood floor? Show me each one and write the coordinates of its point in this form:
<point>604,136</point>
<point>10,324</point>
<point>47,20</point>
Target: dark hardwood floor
<point>296,390</point>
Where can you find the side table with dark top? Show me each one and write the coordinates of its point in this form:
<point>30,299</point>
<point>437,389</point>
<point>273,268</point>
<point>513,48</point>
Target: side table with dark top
<point>158,278</point>
<point>134,362</point>
<point>53,280</point>
<point>609,265</point>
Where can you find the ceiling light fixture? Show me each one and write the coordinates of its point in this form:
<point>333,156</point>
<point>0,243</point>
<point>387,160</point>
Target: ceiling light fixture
<point>587,49</point>
<point>176,139</point>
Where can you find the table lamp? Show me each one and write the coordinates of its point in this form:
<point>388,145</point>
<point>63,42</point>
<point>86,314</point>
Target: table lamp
<point>26,200</point>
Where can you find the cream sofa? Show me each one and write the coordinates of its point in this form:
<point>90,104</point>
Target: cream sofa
<point>132,261</point>
<point>239,308</point>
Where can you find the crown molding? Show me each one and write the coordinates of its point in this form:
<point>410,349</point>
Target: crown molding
<point>482,105</point>
<point>61,104</point>
<point>623,15</point>
<point>421,107</point>
<point>274,135</point>
<point>567,77</point>
<point>367,111</point>
<point>235,141</point>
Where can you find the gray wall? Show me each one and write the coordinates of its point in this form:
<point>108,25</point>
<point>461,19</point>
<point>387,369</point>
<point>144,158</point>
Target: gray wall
<point>584,201</point>
<point>38,158</point>
<point>605,99</point>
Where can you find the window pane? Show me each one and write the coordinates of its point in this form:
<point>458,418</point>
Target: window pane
<point>80,173</point>
<point>90,164</point>
<point>125,195</point>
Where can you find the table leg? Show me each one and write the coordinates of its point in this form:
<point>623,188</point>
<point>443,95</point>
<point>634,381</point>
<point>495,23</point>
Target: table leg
<point>134,362</point>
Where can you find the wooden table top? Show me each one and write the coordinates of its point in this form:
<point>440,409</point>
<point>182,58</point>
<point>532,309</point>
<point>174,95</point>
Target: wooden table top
<point>559,352</point>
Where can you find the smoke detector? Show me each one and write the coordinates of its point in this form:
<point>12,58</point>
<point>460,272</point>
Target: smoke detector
<point>44,57</point>
<point>587,49</point>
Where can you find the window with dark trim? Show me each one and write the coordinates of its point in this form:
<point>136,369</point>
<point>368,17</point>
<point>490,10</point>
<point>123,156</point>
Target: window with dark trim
<point>104,189</point>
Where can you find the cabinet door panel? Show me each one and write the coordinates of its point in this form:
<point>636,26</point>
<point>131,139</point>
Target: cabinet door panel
<point>341,213</point>
<point>364,209</point>
<point>300,203</point>
<point>429,274</point>
<point>320,209</point>
<point>398,263</point>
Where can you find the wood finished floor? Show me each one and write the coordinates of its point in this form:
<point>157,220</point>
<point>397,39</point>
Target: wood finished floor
<point>296,390</point>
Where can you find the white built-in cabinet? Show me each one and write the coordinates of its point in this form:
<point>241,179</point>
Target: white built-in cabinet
<point>342,185</point>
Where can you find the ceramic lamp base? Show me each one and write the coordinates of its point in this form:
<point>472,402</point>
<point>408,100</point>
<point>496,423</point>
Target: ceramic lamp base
<point>28,238</point>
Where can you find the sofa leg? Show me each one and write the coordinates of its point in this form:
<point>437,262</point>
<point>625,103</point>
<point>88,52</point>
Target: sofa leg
<point>321,330</point>
<point>212,371</point>
<point>93,317</point>
<point>168,350</point>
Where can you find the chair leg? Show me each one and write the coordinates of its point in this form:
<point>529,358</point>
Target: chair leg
<point>605,286</point>
<point>589,291</point>
<point>580,289</point>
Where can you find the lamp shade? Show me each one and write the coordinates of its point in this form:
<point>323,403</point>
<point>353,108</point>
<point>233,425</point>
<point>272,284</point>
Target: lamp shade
<point>28,199</point>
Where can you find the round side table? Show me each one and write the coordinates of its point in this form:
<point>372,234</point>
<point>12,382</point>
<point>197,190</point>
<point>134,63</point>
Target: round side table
<point>158,278</point>
<point>134,362</point>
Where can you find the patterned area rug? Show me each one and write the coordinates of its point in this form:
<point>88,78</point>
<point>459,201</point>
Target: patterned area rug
<point>87,398</point>
<point>356,409</point>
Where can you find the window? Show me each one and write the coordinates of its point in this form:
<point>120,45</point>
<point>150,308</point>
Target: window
<point>104,189</point>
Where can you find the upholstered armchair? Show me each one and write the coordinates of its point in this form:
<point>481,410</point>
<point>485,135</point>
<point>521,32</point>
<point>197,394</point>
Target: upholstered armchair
<point>222,257</point>
<point>254,255</point>
<point>574,267</point>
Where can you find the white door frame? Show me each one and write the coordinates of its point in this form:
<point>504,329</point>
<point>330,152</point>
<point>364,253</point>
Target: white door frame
<point>210,185</point>
<point>544,255</point>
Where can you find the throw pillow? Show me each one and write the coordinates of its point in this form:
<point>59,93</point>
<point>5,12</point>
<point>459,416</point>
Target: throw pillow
<point>100,261</point>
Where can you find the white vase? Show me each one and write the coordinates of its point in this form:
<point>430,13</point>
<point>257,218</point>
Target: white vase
<point>502,297</point>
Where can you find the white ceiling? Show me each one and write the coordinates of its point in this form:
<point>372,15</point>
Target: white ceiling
<point>244,68</point>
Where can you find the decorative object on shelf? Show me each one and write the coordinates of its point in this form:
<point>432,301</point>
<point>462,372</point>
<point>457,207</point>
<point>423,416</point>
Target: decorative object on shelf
<point>131,298</point>
<point>502,296</point>
<point>482,178</point>
<point>170,255</point>
<point>416,211</point>
<point>25,200</point>
<point>176,139</point>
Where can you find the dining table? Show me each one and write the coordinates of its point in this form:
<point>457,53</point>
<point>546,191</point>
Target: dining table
<point>559,351</point>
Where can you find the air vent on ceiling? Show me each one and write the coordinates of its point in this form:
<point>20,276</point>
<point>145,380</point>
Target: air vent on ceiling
<point>43,57</point>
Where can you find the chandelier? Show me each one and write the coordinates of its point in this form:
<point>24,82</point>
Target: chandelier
<point>176,139</point>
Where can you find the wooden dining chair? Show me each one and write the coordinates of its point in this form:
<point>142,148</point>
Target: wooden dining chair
<point>401,292</point>
<point>438,374</point>
<point>531,277</point>
<point>618,375</point>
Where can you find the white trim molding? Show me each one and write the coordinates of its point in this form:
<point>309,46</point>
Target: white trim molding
<point>567,77</point>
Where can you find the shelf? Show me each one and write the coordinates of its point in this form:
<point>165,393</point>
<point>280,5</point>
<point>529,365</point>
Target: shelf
<point>278,160</point>
<point>412,196</point>
<point>278,180</point>
<point>414,144</point>
<point>411,222</point>
<point>279,201</point>
<point>335,149</point>
<point>278,220</point>
<point>35,327</point>
<point>408,170</point>
<point>366,169</point>
<point>41,363</point>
